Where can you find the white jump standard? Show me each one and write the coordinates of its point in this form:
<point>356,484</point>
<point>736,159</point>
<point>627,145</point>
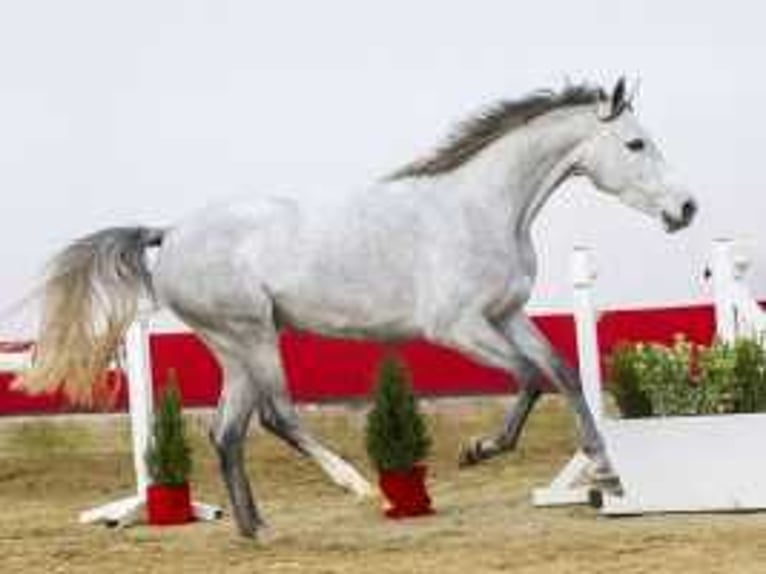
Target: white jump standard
<point>136,358</point>
<point>137,361</point>
<point>672,464</point>
<point>573,484</point>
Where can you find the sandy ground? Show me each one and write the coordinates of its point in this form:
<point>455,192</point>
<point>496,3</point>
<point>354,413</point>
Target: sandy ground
<point>50,469</point>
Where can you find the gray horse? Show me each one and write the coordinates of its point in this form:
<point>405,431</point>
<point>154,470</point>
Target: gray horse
<point>441,249</point>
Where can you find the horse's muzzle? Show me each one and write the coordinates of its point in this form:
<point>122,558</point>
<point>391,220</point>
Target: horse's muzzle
<point>675,222</point>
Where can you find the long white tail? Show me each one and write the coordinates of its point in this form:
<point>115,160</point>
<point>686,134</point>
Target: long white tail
<point>90,297</point>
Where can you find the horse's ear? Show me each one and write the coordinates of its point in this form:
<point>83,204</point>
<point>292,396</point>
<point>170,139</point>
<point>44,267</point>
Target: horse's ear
<point>616,104</point>
<point>618,97</point>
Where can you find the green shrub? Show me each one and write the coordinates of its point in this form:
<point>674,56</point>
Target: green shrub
<point>750,372</point>
<point>687,379</point>
<point>396,436</point>
<point>625,372</point>
<point>169,457</point>
<point>716,382</point>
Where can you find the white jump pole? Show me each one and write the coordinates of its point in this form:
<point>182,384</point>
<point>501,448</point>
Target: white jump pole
<point>572,484</point>
<point>137,362</point>
<point>736,311</point>
<point>723,277</point>
<point>138,371</point>
<point>584,276</point>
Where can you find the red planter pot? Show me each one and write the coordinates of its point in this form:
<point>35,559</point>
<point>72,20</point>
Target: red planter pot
<point>406,491</point>
<point>166,505</point>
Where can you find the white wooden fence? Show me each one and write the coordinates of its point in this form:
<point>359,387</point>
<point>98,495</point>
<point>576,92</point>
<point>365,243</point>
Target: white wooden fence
<point>670,464</point>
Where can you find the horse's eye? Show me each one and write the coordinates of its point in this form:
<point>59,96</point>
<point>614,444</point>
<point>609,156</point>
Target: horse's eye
<point>636,145</point>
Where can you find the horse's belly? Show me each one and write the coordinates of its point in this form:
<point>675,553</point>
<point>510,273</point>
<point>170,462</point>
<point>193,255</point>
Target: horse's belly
<point>353,315</point>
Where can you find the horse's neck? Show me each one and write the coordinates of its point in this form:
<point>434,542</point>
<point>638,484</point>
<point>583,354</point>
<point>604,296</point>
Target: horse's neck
<point>517,174</point>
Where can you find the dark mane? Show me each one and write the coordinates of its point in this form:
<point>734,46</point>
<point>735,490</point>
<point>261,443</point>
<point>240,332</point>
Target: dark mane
<point>476,133</point>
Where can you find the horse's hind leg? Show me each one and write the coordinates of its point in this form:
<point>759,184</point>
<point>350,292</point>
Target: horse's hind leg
<point>232,343</point>
<point>228,433</point>
<point>277,414</point>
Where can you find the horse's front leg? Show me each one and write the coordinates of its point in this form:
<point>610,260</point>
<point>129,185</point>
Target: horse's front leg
<point>516,346</point>
<point>524,336</point>
<point>482,341</point>
<point>505,440</point>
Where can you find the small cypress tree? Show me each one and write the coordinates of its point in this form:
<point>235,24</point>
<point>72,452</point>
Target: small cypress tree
<point>396,434</point>
<point>169,456</point>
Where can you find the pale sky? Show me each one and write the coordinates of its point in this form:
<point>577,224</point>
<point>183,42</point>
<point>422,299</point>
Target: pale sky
<point>141,111</point>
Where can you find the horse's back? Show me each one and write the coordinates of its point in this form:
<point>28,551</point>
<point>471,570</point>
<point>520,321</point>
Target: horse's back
<point>343,263</point>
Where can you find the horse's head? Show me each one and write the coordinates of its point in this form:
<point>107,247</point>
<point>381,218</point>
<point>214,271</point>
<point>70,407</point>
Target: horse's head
<point>621,159</point>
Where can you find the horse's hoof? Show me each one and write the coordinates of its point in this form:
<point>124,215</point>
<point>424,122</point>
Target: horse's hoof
<point>366,495</point>
<point>610,484</point>
<point>606,481</point>
<point>247,533</point>
<point>364,491</point>
<point>471,455</point>
<point>595,498</point>
<point>250,527</point>
<point>601,476</point>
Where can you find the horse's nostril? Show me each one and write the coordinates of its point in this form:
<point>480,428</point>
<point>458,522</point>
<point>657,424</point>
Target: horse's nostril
<point>688,209</point>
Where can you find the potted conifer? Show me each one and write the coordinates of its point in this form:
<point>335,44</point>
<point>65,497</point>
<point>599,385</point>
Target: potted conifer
<point>397,442</point>
<point>168,459</point>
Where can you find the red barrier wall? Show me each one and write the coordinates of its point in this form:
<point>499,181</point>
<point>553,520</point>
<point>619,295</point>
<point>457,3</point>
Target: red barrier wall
<point>320,369</point>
